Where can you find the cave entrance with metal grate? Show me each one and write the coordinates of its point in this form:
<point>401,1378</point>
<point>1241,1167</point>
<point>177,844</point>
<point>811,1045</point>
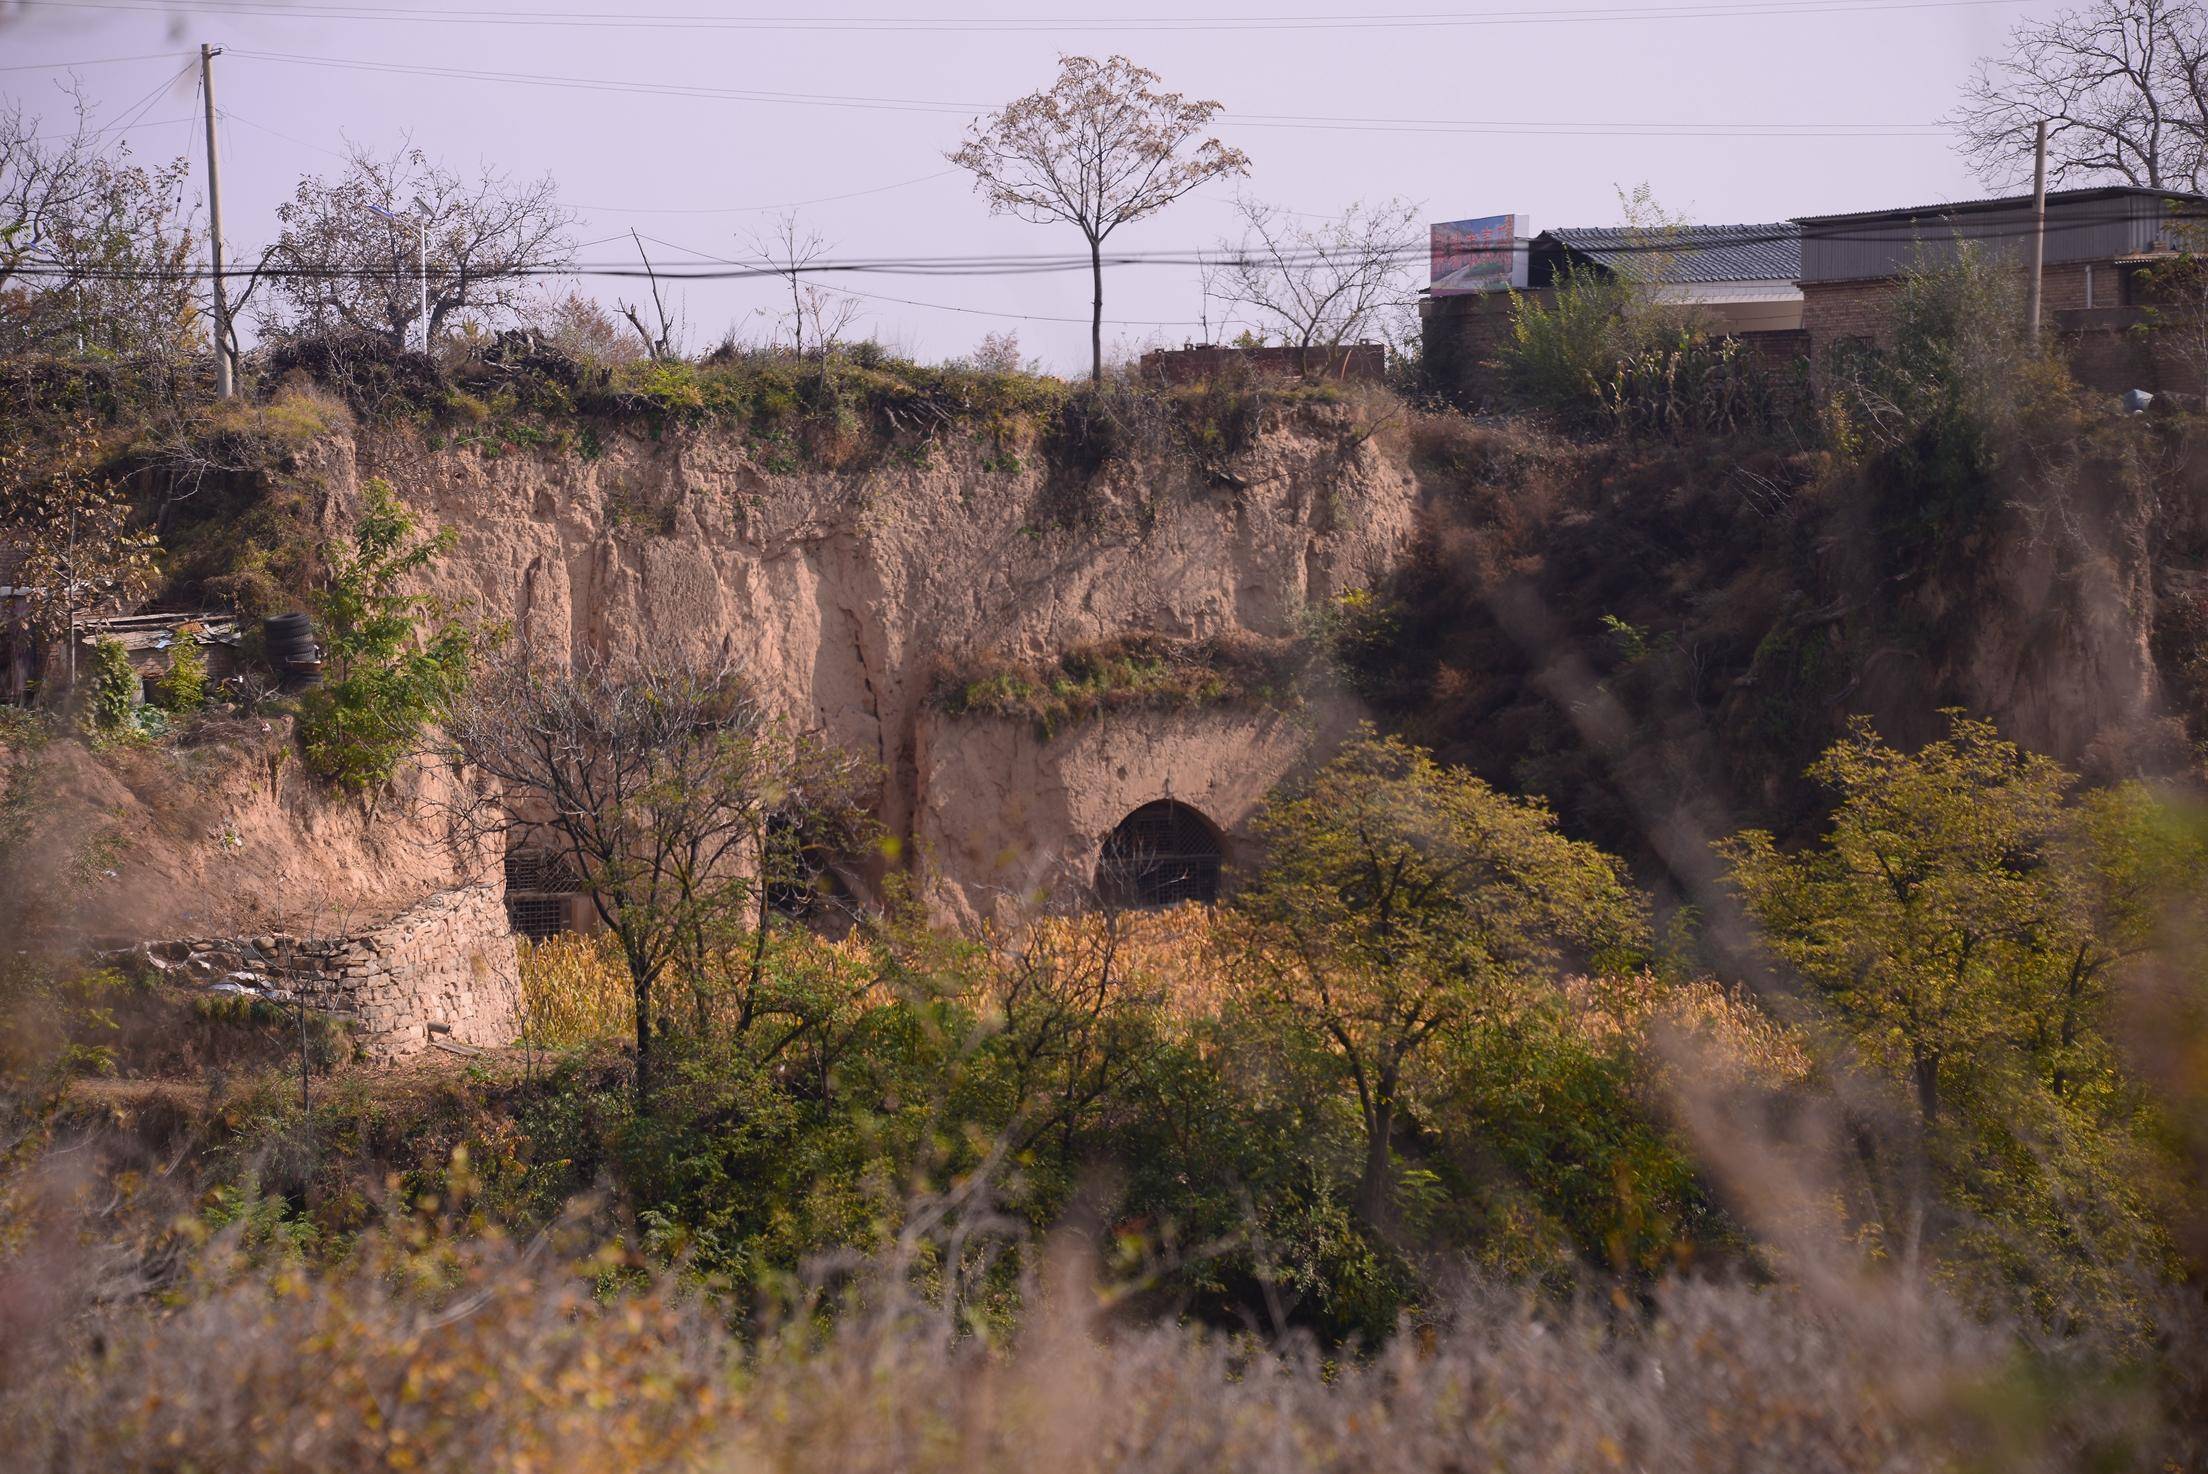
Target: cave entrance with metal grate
<point>541,893</point>
<point>1161,854</point>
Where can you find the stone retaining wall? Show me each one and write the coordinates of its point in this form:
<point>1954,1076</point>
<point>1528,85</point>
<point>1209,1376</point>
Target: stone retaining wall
<point>443,969</point>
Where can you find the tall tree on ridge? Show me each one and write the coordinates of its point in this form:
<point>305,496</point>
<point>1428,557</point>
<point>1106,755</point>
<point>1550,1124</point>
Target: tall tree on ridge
<point>1101,148</point>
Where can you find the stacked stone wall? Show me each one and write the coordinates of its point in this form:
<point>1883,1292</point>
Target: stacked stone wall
<point>443,969</point>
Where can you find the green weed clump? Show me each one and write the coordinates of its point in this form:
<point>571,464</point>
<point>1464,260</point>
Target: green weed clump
<point>183,686</point>
<point>1132,672</point>
<point>394,663</point>
<point>113,707</point>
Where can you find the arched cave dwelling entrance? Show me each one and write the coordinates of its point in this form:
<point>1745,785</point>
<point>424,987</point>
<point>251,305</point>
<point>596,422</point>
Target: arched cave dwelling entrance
<point>1163,853</point>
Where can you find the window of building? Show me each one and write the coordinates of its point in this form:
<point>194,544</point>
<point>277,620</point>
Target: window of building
<point>1161,854</point>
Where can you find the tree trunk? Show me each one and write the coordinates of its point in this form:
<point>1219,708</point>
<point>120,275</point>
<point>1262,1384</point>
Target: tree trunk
<point>1096,313</point>
<point>1375,1195</point>
<point>643,991</point>
<point>1926,1068</point>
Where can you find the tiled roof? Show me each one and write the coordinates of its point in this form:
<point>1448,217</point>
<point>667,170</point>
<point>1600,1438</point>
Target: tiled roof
<point>1693,253</point>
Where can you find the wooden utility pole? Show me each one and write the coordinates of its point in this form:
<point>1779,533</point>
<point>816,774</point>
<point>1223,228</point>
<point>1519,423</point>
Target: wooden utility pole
<point>2039,223</point>
<point>225,378</point>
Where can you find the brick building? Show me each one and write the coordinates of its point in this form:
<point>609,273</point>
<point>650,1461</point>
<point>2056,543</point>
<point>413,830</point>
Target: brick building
<point>1738,279</point>
<point>2098,242</point>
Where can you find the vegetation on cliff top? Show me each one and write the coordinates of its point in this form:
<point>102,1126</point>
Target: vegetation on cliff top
<point>1128,673</point>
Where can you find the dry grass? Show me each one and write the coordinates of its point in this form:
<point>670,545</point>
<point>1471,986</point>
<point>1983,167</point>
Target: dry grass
<point>575,987</point>
<point>495,1357</point>
<point>510,1362</point>
<point>575,990</point>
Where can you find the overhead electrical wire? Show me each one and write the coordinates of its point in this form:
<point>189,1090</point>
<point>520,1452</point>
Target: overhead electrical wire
<point>784,271</point>
<point>1012,25</point>
<point>753,209</point>
<point>138,109</point>
<point>728,268</point>
<point>94,61</point>
<point>1510,127</point>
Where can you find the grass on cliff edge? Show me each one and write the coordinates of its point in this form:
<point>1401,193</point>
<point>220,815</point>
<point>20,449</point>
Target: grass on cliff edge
<point>1130,672</point>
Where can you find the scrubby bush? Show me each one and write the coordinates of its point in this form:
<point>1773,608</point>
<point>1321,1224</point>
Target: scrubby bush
<point>1563,350</point>
<point>112,706</point>
<point>393,658</point>
<point>1131,672</point>
<point>183,686</point>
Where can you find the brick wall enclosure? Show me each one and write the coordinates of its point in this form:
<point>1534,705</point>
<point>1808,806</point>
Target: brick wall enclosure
<point>1461,337</point>
<point>447,961</point>
<point>2104,345</point>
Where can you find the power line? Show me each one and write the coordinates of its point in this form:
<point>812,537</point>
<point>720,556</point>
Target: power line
<point>967,25</point>
<point>138,109</point>
<point>779,271</point>
<point>1510,127</point>
<point>94,61</point>
<point>753,209</point>
<point>232,116</point>
<point>731,269</point>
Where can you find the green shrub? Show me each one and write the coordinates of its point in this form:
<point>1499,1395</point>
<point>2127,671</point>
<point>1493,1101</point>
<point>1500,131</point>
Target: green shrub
<point>1689,383</point>
<point>1133,671</point>
<point>388,676</point>
<point>112,708</point>
<point>1564,350</point>
<point>183,686</point>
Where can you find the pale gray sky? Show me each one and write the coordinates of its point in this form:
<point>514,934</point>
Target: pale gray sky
<point>1763,71</point>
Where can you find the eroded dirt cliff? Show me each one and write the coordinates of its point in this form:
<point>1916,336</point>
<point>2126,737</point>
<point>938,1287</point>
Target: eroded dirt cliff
<point>850,594</point>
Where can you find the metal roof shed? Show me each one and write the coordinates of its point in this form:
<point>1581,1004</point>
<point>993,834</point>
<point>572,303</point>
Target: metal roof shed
<point>2100,224</point>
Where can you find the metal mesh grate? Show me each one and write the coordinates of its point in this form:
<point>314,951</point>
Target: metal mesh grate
<point>536,917</point>
<point>1161,854</point>
<point>542,872</point>
<point>538,883</point>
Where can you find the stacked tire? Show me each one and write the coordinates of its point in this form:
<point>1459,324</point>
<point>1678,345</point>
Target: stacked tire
<point>292,652</point>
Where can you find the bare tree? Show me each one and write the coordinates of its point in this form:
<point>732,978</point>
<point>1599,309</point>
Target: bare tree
<point>666,341</point>
<point>2121,84</point>
<point>581,328</point>
<point>670,793</point>
<point>1100,149</point>
<point>791,250</point>
<point>339,264</point>
<point>95,251</point>
<point>1320,286</point>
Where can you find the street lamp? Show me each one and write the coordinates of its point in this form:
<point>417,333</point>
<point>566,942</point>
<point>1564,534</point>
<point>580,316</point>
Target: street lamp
<point>421,259</point>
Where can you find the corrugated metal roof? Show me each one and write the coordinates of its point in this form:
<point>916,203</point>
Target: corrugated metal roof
<point>1691,253</point>
<point>2004,202</point>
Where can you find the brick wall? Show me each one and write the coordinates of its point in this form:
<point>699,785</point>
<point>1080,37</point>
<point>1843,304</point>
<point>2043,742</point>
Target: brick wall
<point>1461,338</point>
<point>1833,312</point>
<point>2103,351</point>
<point>1464,336</point>
<point>448,961</point>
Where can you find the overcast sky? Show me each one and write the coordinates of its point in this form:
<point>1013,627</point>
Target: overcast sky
<point>689,170</point>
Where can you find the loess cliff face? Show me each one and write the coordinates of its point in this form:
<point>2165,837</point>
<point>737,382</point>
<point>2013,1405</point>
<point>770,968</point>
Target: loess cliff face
<point>850,594</point>
<point>1657,639</point>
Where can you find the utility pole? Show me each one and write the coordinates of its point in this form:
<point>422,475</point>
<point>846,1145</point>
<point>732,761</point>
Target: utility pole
<point>2039,222</point>
<point>225,384</point>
